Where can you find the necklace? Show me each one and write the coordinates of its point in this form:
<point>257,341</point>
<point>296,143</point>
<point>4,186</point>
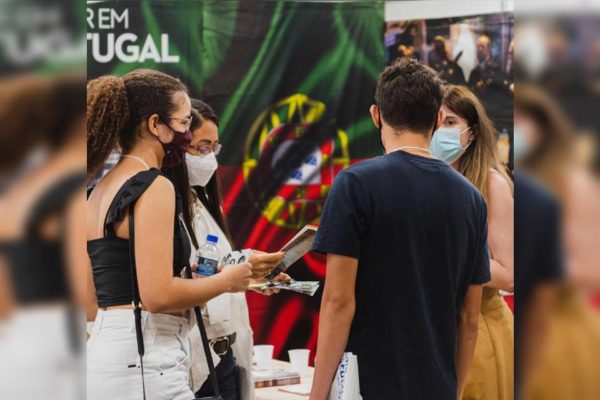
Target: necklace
<point>137,158</point>
<point>421,149</point>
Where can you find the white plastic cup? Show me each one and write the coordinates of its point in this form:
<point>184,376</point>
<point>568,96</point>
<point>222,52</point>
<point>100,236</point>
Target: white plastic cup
<point>299,360</point>
<point>263,354</point>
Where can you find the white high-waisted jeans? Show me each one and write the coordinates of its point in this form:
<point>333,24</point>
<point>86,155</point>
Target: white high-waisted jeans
<point>113,363</point>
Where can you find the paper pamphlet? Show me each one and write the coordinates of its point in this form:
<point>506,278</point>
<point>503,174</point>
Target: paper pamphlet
<point>308,288</point>
<point>302,390</point>
<point>298,246</point>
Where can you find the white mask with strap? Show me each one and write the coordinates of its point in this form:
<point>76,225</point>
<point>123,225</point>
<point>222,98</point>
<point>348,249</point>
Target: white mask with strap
<point>201,168</point>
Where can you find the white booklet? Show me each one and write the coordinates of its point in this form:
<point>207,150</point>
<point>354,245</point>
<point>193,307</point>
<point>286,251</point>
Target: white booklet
<point>345,385</point>
<point>298,246</point>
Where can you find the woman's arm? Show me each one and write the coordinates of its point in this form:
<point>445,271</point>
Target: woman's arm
<point>159,290</point>
<point>501,233</point>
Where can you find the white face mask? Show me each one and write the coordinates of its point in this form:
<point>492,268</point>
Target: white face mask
<point>200,168</point>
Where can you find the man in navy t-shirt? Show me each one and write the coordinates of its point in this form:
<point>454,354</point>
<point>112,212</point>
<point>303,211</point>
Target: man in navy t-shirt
<point>406,243</point>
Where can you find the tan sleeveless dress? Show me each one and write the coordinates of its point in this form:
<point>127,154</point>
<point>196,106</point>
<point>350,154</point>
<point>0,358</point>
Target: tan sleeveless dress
<point>491,376</point>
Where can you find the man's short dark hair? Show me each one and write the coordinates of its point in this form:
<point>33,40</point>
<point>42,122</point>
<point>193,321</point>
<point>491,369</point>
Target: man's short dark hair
<point>409,96</point>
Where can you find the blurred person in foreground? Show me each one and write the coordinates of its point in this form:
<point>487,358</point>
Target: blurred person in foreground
<point>406,243</point>
<point>566,362</point>
<point>467,141</point>
<point>41,205</point>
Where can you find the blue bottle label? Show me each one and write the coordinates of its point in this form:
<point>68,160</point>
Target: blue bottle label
<point>206,266</point>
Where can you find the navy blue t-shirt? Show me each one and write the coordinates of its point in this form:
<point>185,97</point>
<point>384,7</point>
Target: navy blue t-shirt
<point>419,231</point>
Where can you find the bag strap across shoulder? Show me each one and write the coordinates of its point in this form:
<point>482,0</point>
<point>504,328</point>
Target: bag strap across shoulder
<point>137,311</point>
<point>137,305</point>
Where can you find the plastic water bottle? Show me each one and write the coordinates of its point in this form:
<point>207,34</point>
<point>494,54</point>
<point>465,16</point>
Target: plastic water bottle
<point>208,258</point>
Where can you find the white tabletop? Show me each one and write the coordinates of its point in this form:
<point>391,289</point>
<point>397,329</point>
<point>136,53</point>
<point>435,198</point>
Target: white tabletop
<point>273,393</point>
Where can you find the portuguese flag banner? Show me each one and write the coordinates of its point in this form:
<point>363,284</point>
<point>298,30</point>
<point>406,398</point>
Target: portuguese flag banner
<point>292,83</point>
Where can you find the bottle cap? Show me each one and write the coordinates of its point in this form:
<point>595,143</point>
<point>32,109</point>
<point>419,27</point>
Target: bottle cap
<point>212,238</point>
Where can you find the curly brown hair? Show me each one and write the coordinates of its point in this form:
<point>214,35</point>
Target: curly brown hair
<point>116,108</point>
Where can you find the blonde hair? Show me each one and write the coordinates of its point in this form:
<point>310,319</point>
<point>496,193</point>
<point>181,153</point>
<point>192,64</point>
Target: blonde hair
<point>481,156</point>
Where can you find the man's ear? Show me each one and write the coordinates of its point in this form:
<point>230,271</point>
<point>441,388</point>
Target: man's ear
<point>440,119</point>
<point>153,122</point>
<point>374,111</point>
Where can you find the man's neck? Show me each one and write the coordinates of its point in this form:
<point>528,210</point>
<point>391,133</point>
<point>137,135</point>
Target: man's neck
<point>406,139</point>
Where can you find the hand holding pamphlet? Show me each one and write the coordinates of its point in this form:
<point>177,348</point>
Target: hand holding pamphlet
<point>298,246</point>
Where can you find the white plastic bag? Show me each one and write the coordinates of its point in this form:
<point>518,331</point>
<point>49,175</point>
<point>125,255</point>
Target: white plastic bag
<point>345,385</point>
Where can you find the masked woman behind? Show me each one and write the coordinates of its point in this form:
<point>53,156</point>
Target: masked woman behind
<point>467,141</point>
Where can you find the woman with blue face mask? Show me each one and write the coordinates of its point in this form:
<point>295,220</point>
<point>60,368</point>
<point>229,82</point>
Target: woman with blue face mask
<point>467,141</point>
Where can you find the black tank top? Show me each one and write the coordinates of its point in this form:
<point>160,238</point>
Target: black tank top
<point>109,255</point>
<point>37,265</point>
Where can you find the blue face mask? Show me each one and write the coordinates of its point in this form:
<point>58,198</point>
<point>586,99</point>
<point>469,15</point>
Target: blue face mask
<point>445,144</point>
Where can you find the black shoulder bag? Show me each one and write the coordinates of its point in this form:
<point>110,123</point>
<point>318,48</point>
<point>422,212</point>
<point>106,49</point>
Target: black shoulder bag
<point>137,311</point>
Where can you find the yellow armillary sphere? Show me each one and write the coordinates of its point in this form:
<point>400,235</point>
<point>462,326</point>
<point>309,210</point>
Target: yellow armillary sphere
<point>300,198</point>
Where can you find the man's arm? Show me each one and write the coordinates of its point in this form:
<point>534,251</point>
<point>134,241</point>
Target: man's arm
<point>337,312</point>
<point>467,335</point>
